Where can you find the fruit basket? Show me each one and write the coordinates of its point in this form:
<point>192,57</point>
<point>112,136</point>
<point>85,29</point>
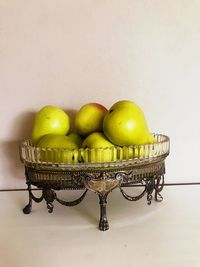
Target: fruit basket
<point>98,170</point>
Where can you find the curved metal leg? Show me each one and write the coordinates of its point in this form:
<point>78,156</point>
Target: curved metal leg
<point>159,184</point>
<point>102,185</point>
<point>28,208</point>
<point>103,222</point>
<point>49,196</point>
<point>150,184</point>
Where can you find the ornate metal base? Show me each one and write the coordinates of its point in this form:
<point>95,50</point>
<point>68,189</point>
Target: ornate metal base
<point>49,195</point>
<point>100,181</point>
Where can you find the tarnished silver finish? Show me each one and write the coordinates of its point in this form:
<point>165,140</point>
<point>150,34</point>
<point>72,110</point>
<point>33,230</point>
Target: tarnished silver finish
<point>101,178</point>
<point>100,181</point>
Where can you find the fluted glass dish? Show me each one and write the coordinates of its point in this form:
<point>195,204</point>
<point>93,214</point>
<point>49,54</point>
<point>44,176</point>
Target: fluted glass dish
<point>80,159</point>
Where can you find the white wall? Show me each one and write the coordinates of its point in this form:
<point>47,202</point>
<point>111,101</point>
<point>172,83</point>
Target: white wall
<point>68,53</point>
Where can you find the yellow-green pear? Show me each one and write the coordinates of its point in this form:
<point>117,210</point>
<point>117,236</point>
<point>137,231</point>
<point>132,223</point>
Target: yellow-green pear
<point>76,138</point>
<point>58,148</point>
<point>97,148</point>
<point>50,120</point>
<point>125,124</point>
<point>133,152</point>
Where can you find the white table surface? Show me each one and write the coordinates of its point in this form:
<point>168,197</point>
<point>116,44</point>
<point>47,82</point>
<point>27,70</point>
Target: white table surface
<point>162,234</point>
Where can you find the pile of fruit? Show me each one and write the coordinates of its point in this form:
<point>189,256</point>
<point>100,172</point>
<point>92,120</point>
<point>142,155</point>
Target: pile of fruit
<point>99,134</point>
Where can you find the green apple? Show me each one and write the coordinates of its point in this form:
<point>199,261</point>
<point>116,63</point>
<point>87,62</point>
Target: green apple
<point>89,119</point>
<point>76,138</point>
<point>50,120</point>
<point>125,124</point>
<point>97,148</point>
<point>58,148</point>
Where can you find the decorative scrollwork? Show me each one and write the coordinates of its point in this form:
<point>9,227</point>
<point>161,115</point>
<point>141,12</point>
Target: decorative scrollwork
<point>36,199</point>
<point>102,186</point>
<point>73,202</point>
<point>99,180</point>
<point>97,175</point>
<point>132,198</point>
<point>77,179</point>
<point>150,184</point>
<point>159,184</point>
<point>90,176</point>
<point>50,207</point>
<point>49,196</point>
<point>149,198</point>
<point>129,177</point>
<point>120,176</point>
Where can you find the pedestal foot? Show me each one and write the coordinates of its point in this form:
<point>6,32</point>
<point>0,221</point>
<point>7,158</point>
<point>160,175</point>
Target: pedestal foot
<point>103,225</point>
<point>150,184</point>
<point>28,208</point>
<point>159,184</point>
<point>149,199</point>
<point>158,197</point>
<point>49,196</point>
<point>50,207</point>
<point>103,222</point>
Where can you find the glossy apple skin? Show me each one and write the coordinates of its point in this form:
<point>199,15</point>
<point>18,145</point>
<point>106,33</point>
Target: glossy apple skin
<point>89,119</point>
<point>97,148</point>
<point>50,120</point>
<point>125,125</point>
<point>67,149</point>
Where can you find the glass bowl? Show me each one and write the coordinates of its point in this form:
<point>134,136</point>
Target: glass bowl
<point>116,156</point>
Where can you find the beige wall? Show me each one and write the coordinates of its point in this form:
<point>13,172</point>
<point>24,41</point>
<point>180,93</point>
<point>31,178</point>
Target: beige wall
<point>68,53</point>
